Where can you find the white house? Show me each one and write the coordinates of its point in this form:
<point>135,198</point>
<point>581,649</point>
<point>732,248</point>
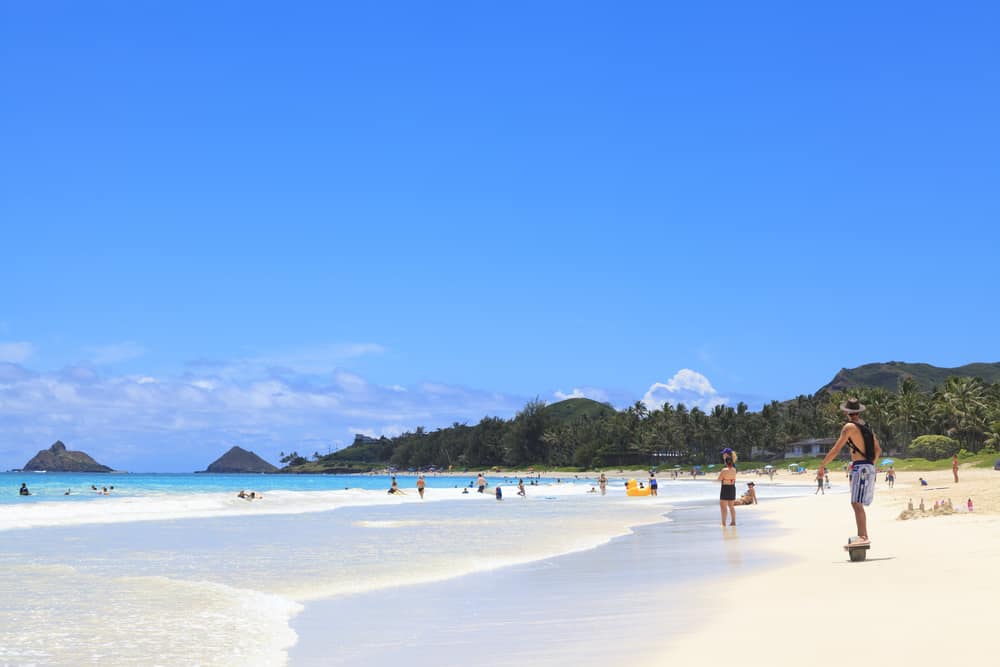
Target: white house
<point>809,448</point>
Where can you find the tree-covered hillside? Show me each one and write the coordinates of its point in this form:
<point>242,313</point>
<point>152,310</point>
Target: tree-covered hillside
<point>586,434</point>
<point>889,374</point>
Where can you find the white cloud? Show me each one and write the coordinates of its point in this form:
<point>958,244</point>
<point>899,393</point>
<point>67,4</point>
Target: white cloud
<point>16,352</point>
<point>584,392</point>
<point>316,358</point>
<point>180,423</point>
<point>686,386</point>
<point>115,353</point>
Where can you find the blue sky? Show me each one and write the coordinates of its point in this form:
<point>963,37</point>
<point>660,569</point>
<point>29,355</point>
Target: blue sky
<point>275,226</point>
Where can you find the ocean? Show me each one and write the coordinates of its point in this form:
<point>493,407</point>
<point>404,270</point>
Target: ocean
<point>177,570</point>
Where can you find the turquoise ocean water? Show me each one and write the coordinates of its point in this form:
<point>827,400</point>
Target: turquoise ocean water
<point>176,570</point>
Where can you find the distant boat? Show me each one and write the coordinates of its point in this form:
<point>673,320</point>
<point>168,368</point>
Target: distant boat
<point>42,471</point>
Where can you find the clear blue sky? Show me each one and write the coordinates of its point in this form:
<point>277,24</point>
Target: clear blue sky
<point>274,225</point>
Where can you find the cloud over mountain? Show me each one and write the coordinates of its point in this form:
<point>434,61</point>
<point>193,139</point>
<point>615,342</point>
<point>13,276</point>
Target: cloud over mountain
<point>686,386</point>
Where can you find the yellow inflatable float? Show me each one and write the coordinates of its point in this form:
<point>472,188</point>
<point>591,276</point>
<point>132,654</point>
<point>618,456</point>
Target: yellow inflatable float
<point>632,488</point>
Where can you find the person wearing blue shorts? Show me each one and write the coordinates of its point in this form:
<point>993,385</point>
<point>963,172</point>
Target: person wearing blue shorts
<point>865,450</point>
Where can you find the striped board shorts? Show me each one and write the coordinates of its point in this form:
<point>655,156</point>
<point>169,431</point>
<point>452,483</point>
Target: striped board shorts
<point>862,483</point>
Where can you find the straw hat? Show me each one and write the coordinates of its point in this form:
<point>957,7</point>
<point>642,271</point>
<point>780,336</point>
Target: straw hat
<point>852,406</point>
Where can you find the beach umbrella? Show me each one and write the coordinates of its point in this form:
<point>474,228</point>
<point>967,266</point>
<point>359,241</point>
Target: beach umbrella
<point>887,462</point>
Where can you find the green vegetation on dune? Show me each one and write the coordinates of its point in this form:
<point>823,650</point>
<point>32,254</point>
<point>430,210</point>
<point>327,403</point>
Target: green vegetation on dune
<point>961,414</point>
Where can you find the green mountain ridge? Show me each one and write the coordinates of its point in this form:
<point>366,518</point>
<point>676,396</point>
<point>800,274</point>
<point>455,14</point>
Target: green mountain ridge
<point>572,409</point>
<point>886,375</point>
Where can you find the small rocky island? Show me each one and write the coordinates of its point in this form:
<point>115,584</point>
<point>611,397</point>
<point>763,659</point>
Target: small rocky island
<point>59,459</point>
<point>240,460</point>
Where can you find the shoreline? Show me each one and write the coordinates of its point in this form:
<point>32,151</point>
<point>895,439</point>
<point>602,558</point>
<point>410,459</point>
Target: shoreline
<point>577,608</point>
<point>937,574</point>
<point>784,574</point>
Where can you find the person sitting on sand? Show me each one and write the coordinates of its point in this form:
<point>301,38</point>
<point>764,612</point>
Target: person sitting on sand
<point>243,494</point>
<point>923,482</point>
<point>749,497</point>
<point>395,486</point>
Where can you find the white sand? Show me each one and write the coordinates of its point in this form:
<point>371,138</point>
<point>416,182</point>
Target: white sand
<point>927,595</point>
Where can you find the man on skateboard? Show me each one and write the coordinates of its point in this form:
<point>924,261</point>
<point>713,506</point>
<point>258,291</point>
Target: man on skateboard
<point>865,450</point>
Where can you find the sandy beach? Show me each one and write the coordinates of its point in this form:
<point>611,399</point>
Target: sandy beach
<point>926,595</point>
<point>778,589</point>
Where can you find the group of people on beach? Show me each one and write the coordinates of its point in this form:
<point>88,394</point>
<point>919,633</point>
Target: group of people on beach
<point>103,491</point>
<point>480,485</point>
<point>865,451</point>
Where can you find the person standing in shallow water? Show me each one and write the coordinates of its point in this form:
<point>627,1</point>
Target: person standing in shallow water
<point>727,494</point>
<point>865,450</point>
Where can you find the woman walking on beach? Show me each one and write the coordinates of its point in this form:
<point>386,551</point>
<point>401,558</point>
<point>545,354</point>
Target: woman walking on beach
<point>727,495</point>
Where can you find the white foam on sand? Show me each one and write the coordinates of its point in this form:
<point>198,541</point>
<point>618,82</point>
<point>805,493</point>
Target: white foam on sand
<point>62,616</point>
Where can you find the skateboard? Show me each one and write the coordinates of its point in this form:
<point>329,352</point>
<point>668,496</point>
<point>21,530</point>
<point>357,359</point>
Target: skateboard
<point>856,552</point>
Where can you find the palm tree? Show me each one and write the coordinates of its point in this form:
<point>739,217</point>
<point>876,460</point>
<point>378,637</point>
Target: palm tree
<point>908,411</point>
<point>961,407</point>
